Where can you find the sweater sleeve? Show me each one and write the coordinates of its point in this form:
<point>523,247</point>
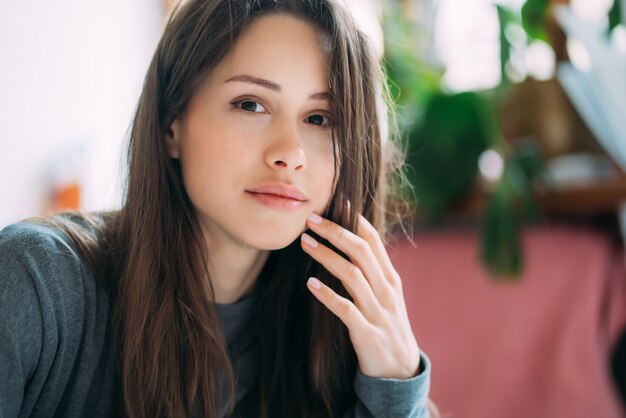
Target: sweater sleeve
<point>20,324</point>
<point>397,398</point>
<point>41,316</point>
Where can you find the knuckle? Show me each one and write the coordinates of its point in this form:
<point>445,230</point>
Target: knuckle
<point>336,230</point>
<point>363,248</point>
<point>388,295</point>
<point>354,273</point>
<point>395,280</point>
<point>344,308</point>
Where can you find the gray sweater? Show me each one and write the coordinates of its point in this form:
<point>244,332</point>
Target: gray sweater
<point>56,357</point>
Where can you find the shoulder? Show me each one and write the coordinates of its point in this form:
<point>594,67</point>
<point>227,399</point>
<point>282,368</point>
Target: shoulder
<point>29,238</point>
<point>39,264</point>
<point>38,253</point>
<point>44,278</point>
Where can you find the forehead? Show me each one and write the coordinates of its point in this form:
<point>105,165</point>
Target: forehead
<point>280,48</point>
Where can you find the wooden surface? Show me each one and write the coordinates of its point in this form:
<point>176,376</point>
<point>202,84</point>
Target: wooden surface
<point>594,199</point>
<point>598,198</point>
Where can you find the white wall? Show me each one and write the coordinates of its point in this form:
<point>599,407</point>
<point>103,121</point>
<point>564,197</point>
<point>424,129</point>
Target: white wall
<point>70,76</point>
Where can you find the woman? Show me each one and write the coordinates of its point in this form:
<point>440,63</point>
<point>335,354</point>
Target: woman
<point>203,296</point>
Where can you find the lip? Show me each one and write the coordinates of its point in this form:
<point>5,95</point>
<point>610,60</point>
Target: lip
<point>278,196</point>
<point>279,190</point>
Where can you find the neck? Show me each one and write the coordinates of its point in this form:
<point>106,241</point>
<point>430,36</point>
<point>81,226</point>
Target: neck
<point>233,267</point>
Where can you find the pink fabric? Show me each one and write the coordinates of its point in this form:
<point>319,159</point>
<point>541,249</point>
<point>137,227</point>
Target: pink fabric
<point>534,348</point>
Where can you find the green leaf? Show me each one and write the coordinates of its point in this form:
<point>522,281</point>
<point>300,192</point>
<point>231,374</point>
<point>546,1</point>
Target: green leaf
<point>511,204</point>
<point>535,19</point>
<point>615,15</point>
<point>501,250</point>
<point>443,149</point>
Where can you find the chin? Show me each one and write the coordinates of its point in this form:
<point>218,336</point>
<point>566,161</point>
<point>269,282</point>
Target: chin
<point>274,238</point>
<point>276,242</point>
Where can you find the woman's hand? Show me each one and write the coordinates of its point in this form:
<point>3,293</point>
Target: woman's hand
<point>377,321</point>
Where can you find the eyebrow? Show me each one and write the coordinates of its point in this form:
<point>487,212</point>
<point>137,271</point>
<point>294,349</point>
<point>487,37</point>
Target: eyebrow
<point>272,86</point>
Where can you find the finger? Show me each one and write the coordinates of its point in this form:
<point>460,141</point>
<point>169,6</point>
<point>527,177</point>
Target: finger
<point>357,249</point>
<point>338,305</point>
<point>350,275</point>
<point>370,234</point>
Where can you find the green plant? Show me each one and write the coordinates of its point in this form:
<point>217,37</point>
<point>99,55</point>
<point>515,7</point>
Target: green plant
<point>446,134</point>
<point>444,148</point>
<point>616,15</point>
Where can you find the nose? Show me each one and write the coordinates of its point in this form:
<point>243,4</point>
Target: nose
<point>285,151</point>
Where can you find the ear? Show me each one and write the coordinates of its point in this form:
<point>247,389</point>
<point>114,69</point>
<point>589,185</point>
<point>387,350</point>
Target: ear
<point>172,139</point>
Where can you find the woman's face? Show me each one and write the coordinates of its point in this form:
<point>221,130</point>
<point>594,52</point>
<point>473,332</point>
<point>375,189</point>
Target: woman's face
<point>261,118</point>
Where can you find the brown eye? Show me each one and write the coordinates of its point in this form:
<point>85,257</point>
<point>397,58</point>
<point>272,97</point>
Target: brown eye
<point>250,106</point>
<point>320,120</point>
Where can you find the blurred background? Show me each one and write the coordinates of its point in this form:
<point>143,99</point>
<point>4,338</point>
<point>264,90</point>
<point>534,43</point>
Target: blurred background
<point>512,114</point>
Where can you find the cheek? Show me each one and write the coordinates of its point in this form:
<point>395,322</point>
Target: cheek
<point>206,156</point>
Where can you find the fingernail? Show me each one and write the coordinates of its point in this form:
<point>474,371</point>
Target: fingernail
<point>308,240</point>
<point>315,218</point>
<point>314,283</point>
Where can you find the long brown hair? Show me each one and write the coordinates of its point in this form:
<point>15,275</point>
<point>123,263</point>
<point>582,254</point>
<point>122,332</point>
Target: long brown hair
<point>152,257</point>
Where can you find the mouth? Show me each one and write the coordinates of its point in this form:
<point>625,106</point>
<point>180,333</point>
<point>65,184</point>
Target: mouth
<point>277,202</point>
<point>277,196</point>
<point>279,190</point>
